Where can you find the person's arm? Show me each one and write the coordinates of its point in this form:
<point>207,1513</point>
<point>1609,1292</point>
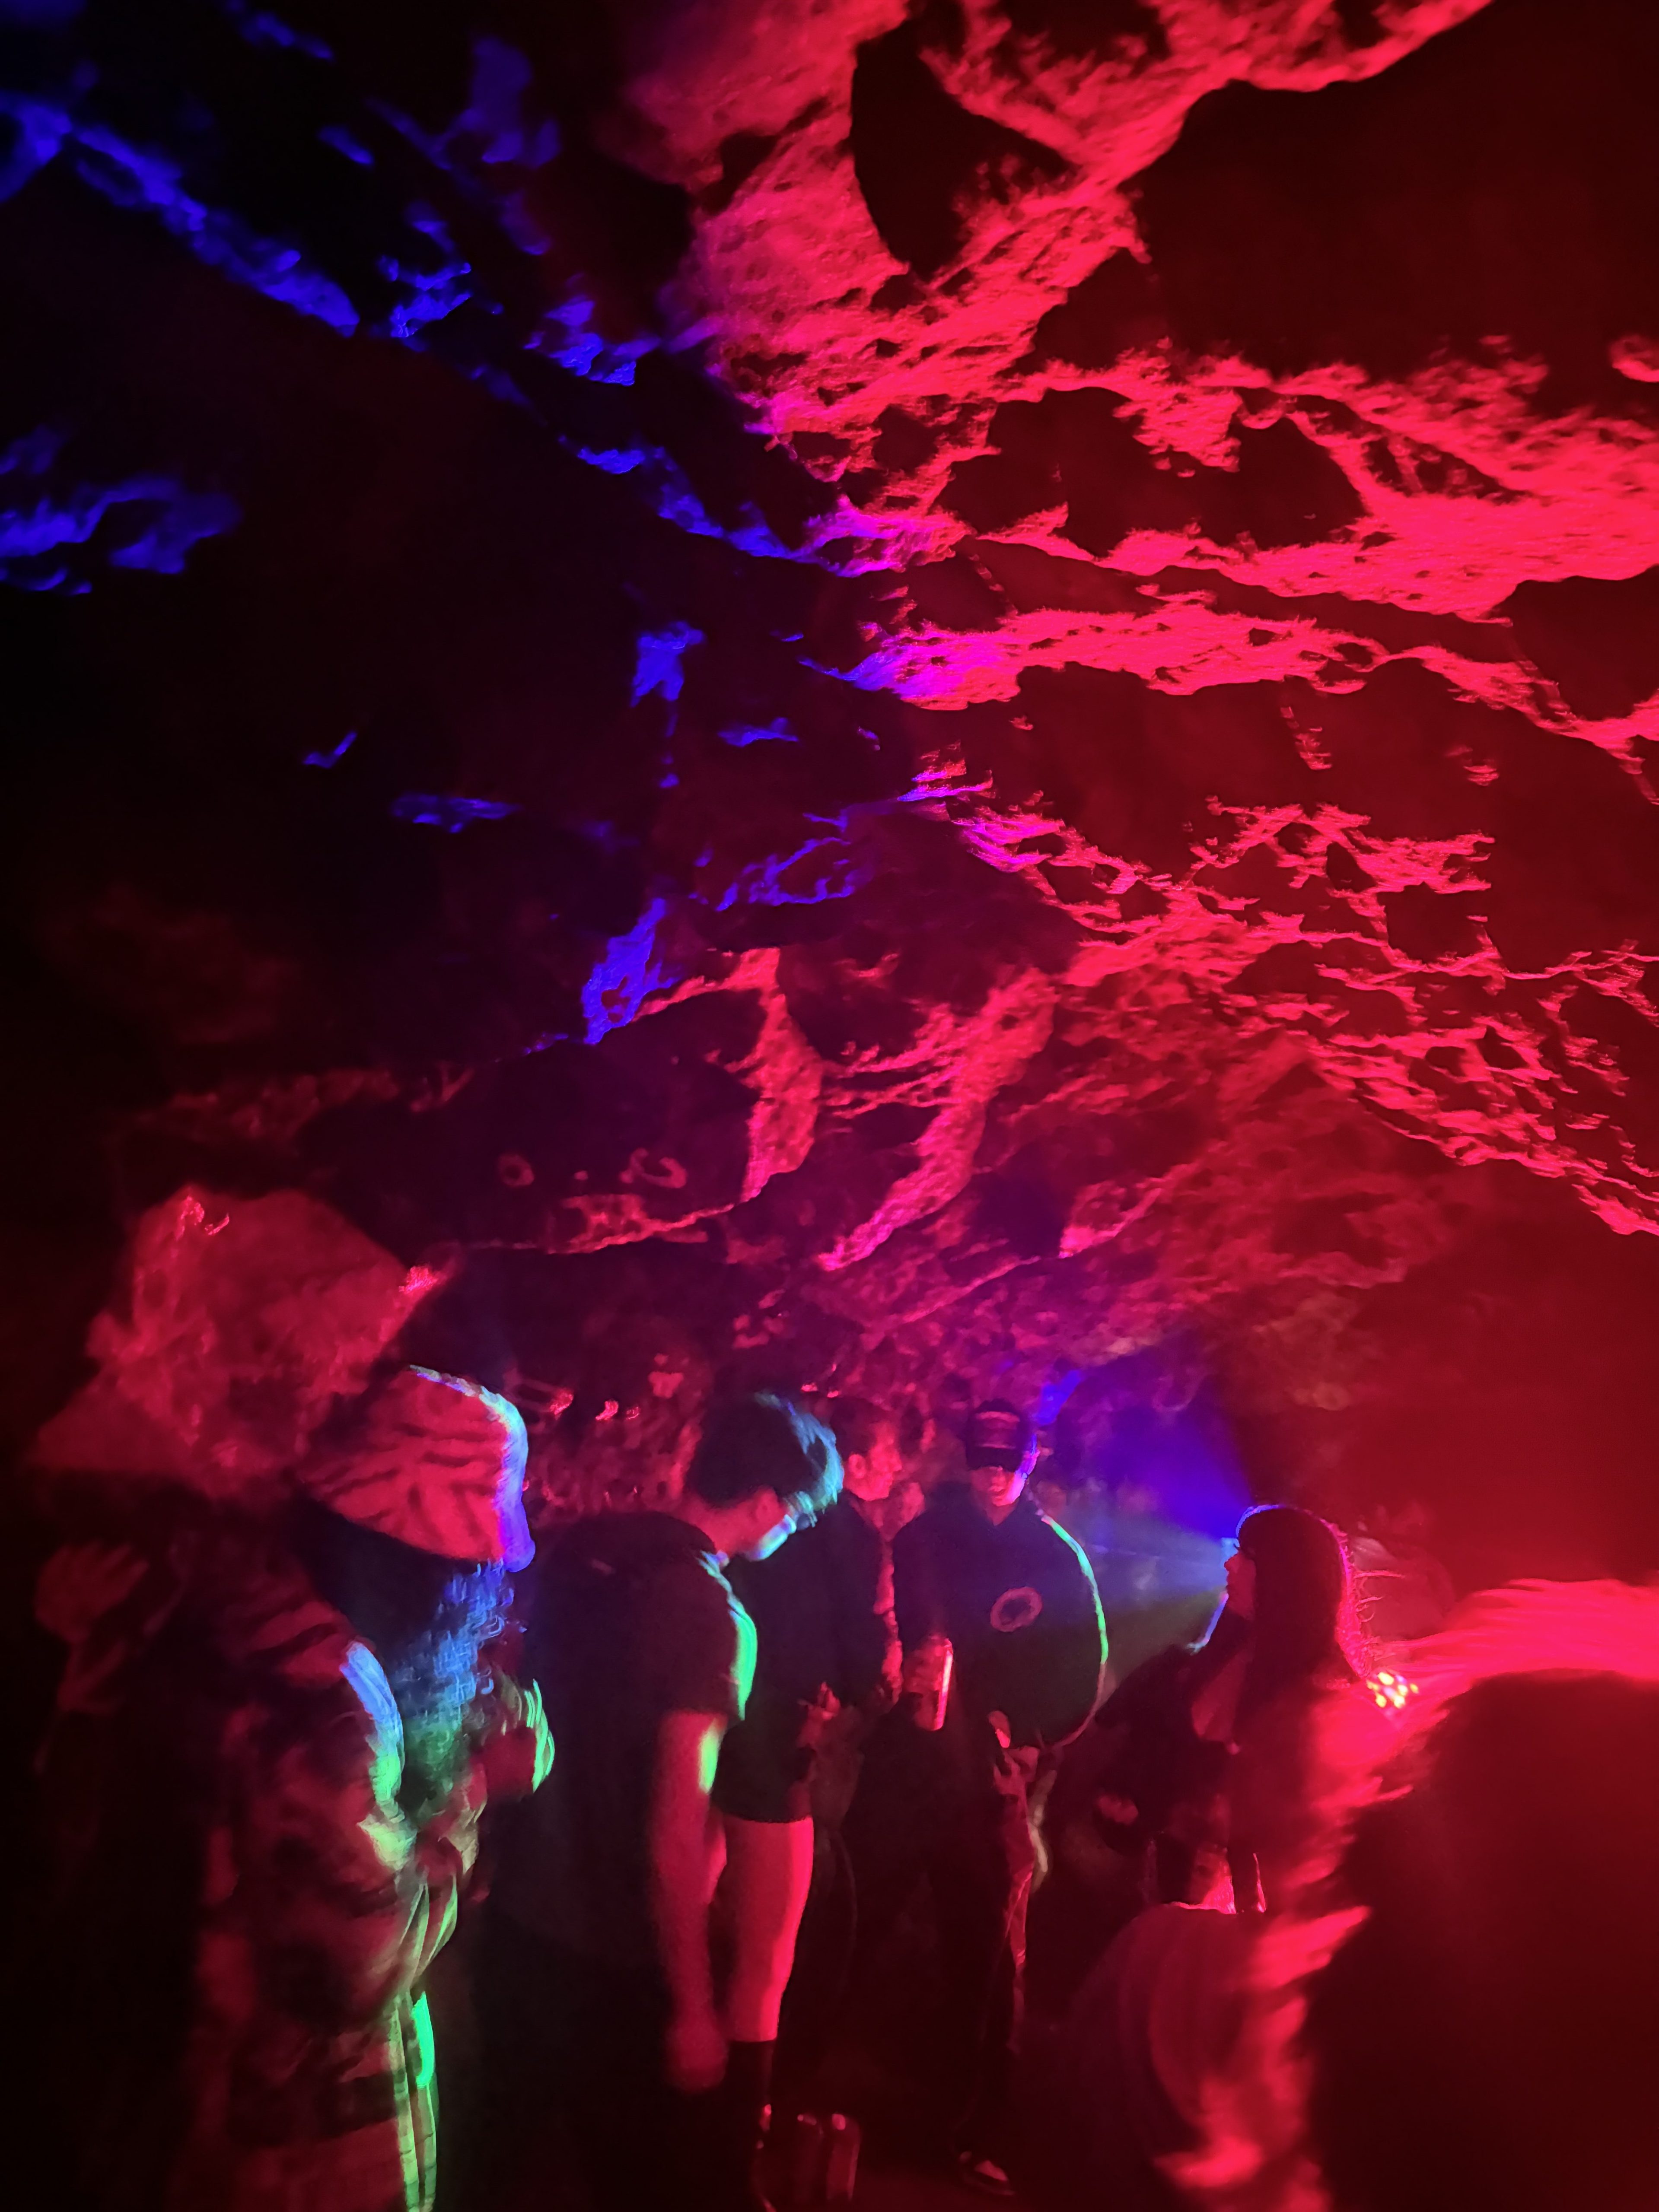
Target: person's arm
<point>344,1900</point>
<point>682,1866</point>
<point>515,1749</point>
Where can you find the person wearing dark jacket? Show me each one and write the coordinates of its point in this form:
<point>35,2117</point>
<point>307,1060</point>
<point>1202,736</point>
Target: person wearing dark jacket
<point>816,1608</point>
<point>826,1665</point>
<point>1004,1648</point>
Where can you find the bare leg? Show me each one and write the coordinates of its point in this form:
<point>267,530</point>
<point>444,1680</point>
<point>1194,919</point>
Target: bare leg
<point>768,1873</point>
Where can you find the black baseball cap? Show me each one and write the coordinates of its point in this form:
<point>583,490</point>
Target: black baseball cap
<point>998,1434</point>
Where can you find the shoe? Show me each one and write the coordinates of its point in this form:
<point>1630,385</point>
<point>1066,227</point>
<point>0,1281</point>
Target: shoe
<point>796,2158</point>
<point>982,2175</point>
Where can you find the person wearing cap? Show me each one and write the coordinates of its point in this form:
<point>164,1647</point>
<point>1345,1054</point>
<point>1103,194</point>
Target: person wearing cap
<point>273,1744</point>
<point>597,1990</point>
<point>1004,1647</point>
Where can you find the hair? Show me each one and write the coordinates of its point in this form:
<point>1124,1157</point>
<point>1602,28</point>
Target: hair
<point>858,1423</point>
<point>428,1620</point>
<point>1486,2040</point>
<point>766,1442</point>
<point>1304,1618</point>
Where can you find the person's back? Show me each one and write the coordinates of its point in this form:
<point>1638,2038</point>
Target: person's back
<point>107,1949</point>
<point>596,1990</point>
<point>1134,1817</point>
<point>629,1619</point>
<point>634,1634</point>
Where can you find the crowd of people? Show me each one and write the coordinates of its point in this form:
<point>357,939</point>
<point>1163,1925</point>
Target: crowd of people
<point>691,1782</point>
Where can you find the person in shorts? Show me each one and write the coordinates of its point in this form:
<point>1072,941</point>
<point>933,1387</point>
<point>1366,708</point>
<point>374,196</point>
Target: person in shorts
<point>827,1660</point>
<point>597,1997</point>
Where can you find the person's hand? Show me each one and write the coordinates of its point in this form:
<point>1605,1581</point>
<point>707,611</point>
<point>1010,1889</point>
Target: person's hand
<point>456,1821</point>
<point>82,1582</point>
<point>1016,1763</point>
<point>515,1748</point>
<point>818,1715</point>
<point>695,2052</point>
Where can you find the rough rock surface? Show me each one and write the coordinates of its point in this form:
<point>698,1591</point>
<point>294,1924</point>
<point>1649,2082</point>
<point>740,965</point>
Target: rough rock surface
<point>240,1325</point>
<point>862,692</point>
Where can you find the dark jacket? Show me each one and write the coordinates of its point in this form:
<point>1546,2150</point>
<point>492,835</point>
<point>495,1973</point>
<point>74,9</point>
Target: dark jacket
<point>1143,1752</point>
<point>816,1605</point>
<point>1017,1600</point>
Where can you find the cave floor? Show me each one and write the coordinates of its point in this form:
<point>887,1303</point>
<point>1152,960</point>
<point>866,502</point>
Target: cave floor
<point>910,2189</point>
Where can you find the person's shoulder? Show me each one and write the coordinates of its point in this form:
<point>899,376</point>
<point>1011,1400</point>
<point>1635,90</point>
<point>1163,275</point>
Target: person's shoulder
<point>844,1530</point>
<point>794,1560</point>
<point>270,1623</point>
<point>1159,1675</point>
<point>689,1580</point>
<point>864,1540</point>
<point>571,1546</point>
<point>699,1636</point>
<point>945,1509</point>
<point>624,1543</point>
<point>1032,1526</point>
<point>848,1554</point>
<point>595,1533</point>
<point>920,1536</point>
<point>1068,1548</point>
<point>1173,1664</point>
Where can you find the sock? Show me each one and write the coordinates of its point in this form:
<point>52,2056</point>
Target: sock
<point>744,2093</point>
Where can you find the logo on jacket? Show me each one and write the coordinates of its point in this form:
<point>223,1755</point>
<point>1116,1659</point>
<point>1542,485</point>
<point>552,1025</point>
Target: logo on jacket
<point>1016,1608</point>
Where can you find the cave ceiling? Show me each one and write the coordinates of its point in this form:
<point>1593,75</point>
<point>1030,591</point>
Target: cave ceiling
<point>934,686</point>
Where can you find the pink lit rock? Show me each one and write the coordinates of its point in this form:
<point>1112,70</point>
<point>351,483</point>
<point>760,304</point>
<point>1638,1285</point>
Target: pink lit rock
<point>241,1323</point>
<point>1030,630</point>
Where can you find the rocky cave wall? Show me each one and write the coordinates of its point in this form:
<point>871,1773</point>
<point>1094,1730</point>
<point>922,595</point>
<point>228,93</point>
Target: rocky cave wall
<point>920,698</point>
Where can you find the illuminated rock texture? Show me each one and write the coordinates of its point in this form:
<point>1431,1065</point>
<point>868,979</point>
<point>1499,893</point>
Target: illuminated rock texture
<point>238,1324</point>
<point>866,693</point>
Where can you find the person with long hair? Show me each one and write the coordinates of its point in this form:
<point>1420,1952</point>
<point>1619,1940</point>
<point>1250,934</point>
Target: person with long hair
<point>273,1744</point>
<point>1203,1784</point>
<point>1137,1814</point>
<point>1290,1580</point>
